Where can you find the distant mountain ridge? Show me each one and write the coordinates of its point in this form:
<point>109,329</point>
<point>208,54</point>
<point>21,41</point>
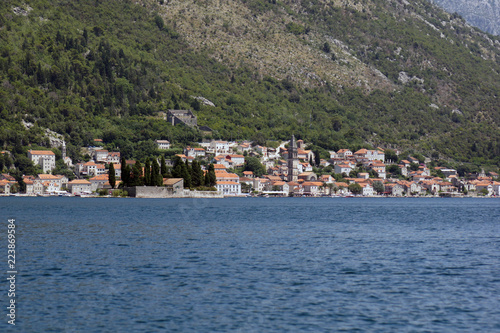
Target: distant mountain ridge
<point>484,14</point>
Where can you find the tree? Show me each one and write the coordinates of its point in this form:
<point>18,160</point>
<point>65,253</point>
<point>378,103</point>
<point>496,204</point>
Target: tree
<point>379,187</point>
<point>137,175</point>
<point>186,174</point>
<point>253,164</point>
<point>177,170</point>
<point>112,175</point>
<point>394,170</point>
<point>159,22</point>
<point>317,158</point>
<point>156,177</point>
<point>125,172</point>
<point>390,156</point>
<point>211,178</point>
<point>147,173</point>
<point>197,177</point>
<point>326,47</point>
<point>163,166</point>
<point>355,188</point>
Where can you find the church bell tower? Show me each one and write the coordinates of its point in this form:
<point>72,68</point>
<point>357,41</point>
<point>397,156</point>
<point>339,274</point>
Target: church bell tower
<point>292,161</point>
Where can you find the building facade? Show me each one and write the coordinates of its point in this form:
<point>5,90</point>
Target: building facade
<point>44,158</point>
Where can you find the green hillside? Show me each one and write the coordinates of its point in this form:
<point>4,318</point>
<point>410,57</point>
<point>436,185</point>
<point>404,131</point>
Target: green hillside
<point>327,71</point>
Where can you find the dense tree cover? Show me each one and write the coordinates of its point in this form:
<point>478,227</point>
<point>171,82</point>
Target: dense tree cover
<point>104,69</point>
<point>253,164</point>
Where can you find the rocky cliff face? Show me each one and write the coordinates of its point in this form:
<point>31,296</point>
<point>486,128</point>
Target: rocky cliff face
<point>484,14</point>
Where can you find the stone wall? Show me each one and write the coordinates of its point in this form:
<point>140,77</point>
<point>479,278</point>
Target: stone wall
<point>167,192</point>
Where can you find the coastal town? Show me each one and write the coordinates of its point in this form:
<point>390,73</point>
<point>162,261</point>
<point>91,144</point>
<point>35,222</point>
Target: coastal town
<point>247,169</point>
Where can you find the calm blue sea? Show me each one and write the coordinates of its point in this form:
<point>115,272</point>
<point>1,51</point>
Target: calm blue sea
<point>254,265</point>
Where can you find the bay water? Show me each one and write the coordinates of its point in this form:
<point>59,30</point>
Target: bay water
<point>254,264</point>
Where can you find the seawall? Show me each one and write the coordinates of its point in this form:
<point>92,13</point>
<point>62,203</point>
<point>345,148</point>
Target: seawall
<point>168,192</point>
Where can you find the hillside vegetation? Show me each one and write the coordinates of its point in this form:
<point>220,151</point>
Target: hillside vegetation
<point>336,73</point>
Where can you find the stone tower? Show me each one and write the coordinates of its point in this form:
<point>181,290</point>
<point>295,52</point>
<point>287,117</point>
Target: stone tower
<point>293,161</point>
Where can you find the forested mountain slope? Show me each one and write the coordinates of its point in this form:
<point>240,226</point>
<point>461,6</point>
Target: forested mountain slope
<point>336,73</point>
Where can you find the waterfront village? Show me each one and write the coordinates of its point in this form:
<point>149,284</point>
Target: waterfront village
<point>287,170</point>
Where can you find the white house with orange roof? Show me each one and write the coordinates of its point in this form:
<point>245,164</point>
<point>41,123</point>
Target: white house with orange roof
<point>118,170</point>
<point>93,169</point>
<point>5,186</point>
<point>344,153</point>
<point>261,150</point>
<point>98,182</point>
<point>228,187</point>
<point>305,155</point>
<point>163,144</point>
<point>226,176</point>
<point>244,147</point>
<point>259,184</point>
<point>425,170</point>
<point>30,189</point>
<point>342,168</point>
<point>46,159</point>
<point>194,152</point>
<point>277,188</point>
<point>49,183</point>
<point>79,186</point>
<point>100,155</point>
<point>182,156</point>
<point>113,157</point>
<point>221,159</point>
<point>367,189</point>
<point>410,187</point>
<point>404,169</point>
<point>480,185</point>
<point>248,174</point>
<point>219,147</point>
<point>364,175</point>
<point>326,179</point>
<point>312,188</point>
<point>219,167</point>
<point>304,167</point>
<point>236,159</point>
<point>379,168</point>
<point>394,189</point>
<point>496,188</point>
<point>406,163</point>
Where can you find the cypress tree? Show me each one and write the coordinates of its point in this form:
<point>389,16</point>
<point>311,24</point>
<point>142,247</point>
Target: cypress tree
<point>156,177</point>
<point>177,170</point>
<point>206,179</point>
<point>196,174</point>
<point>112,175</point>
<point>137,173</point>
<point>125,172</point>
<point>317,158</point>
<point>147,173</point>
<point>163,166</point>
<point>212,179</point>
<point>186,174</point>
